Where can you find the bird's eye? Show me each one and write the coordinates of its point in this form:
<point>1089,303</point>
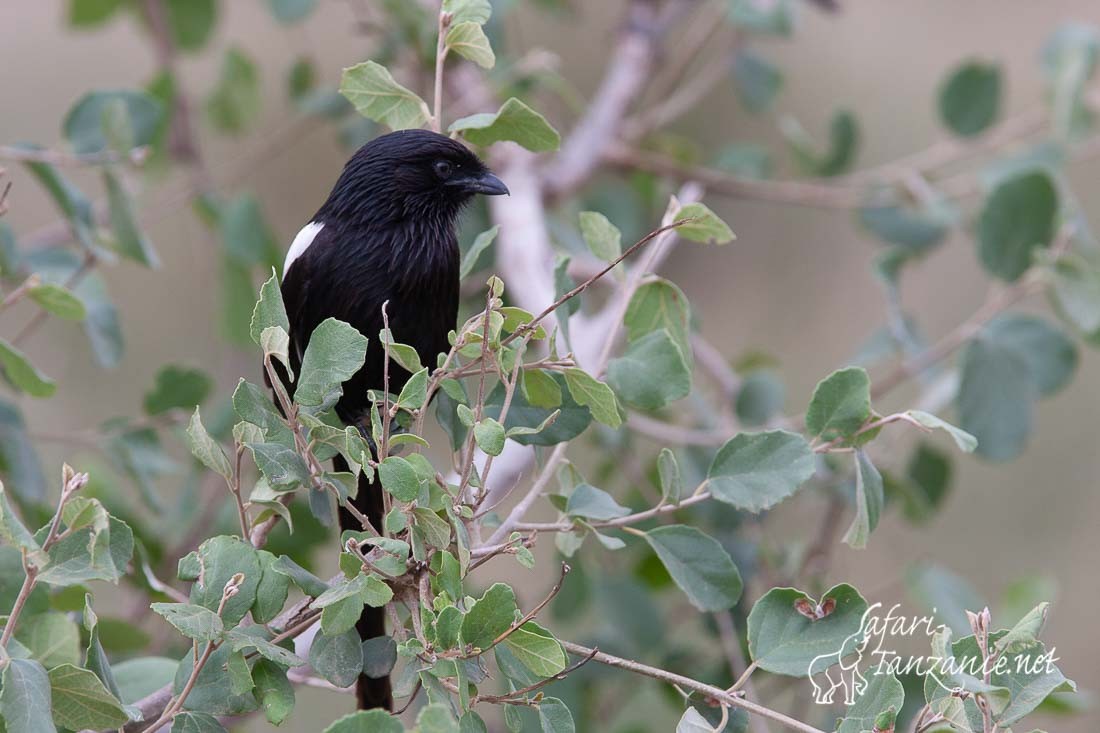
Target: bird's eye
<point>443,168</point>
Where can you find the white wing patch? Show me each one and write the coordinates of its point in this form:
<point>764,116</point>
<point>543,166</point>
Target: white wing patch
<point>301,243</point>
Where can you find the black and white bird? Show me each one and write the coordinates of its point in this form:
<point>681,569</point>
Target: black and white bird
<point>386,233</point>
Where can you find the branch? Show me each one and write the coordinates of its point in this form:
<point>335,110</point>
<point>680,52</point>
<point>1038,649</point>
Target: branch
<point>136,156</point>
<point>625,76</point>
<point>715,693</point>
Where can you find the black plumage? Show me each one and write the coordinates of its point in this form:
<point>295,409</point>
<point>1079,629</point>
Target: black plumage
<point>386,233</point>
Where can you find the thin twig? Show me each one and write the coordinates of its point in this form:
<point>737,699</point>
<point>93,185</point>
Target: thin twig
<point>688,683</point>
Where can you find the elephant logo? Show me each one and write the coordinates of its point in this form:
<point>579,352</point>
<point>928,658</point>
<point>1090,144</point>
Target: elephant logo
<point>842,666</point>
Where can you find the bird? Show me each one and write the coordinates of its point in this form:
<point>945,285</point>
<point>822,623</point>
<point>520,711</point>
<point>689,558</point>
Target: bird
<point>385,234</point>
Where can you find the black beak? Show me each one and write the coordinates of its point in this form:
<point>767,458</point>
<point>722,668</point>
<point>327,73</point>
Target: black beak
<point>485,183</point>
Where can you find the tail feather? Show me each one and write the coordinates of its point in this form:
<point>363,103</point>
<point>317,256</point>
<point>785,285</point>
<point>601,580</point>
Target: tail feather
<point>370,692</point>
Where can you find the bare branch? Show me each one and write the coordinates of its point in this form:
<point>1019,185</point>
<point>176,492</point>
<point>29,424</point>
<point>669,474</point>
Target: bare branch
<point>717,694</point>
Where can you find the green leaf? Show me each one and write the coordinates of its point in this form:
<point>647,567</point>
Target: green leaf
<point>746,160</point>
<point>16,533</point>
<point>95,658</point>
<point>18,456</point>
<point>415,391</point>
<point>291,11</point>
<point>554,716</point>
<point>843,143</point>
<point>473,254</point>
<point>58,300</point>
<point>760,397</point>
<point>970,98</point>
<point>462,11</point>
<point>436,717</point>
<point>756,471</point>
<point>1050,355</point>
<point>469,41</point>
<point>595,395</point>
<point>435,530</point>
<point>235,103</point>
<point>248,239</point>
<point>336,351</point>
<point>280,465</point>
<point>540,389</point>
<point>273,690</point>
<point>192,722</point>
<point>776,18</point>
<point>142,676</point>
<point>81,701</point>
<point>705,226</point>
<point>191,22</point>
<point>514,121</point>
<point>996,397</point>
<point>206,449</point>
<point>306,581</point>
<point>23,374</point>
<point>271,593</point>
<point>1075,289</point>
<point>211,693</point>
<point>90,554</point>
<point>376,96</point>
<point>403,354</point>
<point>253,404</point>
<point>591,503</point>
<point>964,440</point>
<point>73,204</point>
<point>869,501</point>
<point>489,435</point>
<point>785,640</point>
<point>757,81</point>
<point>380,654</point>
<point>194,622</point>
<point>90,13</point>
<point>652,373</point>
<point>177,387</point>
<point>102,323</point>
<point>490,616</point>
<point>52,638</point>
<point>1069,61</point>
<point>536,649</point>
<point>374,721</point>
<point>1026,629</point>
<point>699,565</point>
<point>943,593</point>
<point>83,126</point>
<point>341,615</point>
<point>660,304</point>
<point>269,310</point>
<point>238,639</point>
<point>337,658</point>
<point>883,692</point>
<point>139,454</point>
<point>914,230</point>
<point>692,721</point>
<point>1019,217</point>
<point>221,558</point>
<point>572,418</point>
<point>841,403</point>
<point>302,80</point>
<point>25,696</point>
<point>672,486</point>
<point>240,676</point>
<point>399,478</point>
<point>603,238</point>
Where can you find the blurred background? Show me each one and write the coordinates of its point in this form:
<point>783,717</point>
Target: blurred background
<point>798,283</point>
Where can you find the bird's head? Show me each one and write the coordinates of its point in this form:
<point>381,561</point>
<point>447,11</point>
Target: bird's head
<point>411,174</point>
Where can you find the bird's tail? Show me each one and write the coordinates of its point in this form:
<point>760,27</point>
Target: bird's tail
<point>371,692</point>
